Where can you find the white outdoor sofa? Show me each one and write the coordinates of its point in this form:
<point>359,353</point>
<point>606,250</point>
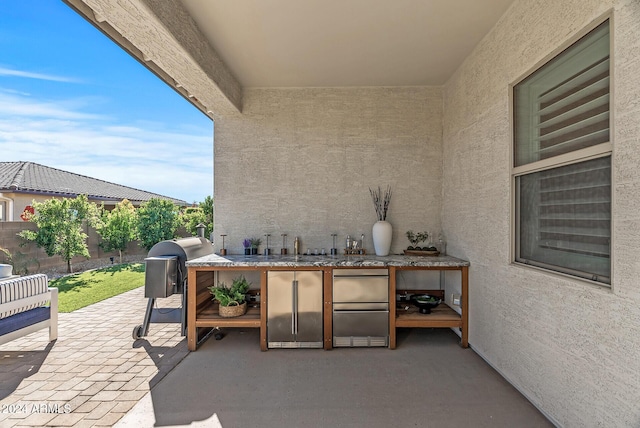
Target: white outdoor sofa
<point>27,304</point>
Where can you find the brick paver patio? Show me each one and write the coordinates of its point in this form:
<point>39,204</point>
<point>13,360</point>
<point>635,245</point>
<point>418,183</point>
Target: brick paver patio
<point>95,372</point>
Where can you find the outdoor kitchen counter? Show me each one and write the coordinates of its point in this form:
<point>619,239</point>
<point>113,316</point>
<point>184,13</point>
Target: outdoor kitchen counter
<point>214,260</point>
<point>201,313</point>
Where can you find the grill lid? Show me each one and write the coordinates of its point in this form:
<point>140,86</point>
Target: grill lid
<point>184,248</point>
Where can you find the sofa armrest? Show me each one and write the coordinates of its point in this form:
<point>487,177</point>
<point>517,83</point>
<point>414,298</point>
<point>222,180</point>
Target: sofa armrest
<point>38,299</point>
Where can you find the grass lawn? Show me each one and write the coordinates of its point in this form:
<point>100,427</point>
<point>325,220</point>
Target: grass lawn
<point>83,289</point>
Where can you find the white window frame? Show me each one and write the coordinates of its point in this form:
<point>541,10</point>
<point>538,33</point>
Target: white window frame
<point>578,156</point>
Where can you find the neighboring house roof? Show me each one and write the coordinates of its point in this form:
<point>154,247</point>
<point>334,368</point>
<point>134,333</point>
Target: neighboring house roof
<point>30,177</point>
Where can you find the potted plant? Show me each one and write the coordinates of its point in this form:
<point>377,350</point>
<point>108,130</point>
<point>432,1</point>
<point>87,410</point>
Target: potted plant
<point>233,299</point>
<point>255,243</point>
<point>247,246</point>
<point>415,239</point>
<point>414,249</point>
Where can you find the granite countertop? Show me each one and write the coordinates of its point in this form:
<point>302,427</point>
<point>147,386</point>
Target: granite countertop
<point>215,260</point>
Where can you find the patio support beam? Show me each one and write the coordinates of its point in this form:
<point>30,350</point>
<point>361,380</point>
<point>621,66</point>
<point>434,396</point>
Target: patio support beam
<point>163,37</point>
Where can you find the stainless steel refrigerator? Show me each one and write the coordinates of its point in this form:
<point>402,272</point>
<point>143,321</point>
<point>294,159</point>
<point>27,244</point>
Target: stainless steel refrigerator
<point>294,309</point>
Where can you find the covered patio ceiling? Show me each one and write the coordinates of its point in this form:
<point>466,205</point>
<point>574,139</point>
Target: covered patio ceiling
<point>320,43</point>
<point>209,51</point>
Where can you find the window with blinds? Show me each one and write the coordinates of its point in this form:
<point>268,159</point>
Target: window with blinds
<point>562,161</point>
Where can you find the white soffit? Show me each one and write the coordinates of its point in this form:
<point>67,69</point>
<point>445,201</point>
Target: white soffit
<point>334,43</point>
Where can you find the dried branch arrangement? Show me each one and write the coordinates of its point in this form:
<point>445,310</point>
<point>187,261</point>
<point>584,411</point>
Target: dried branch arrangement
<point>381,202</point>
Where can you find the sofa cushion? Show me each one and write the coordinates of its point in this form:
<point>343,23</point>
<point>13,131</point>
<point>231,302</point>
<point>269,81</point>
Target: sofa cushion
<point>24,319</point>
<point>19,288</point>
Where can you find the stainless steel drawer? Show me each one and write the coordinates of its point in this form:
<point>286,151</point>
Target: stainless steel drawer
<point>361,288</point>
<point>361,323</point>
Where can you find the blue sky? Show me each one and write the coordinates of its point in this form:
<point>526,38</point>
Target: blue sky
<point>72,99</point>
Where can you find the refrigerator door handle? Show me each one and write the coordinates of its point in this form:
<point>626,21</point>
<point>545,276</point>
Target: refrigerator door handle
<point>293,312</point>
<point>295,305</point>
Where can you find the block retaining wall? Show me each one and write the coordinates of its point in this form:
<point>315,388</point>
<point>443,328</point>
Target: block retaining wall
<point>28,258</point>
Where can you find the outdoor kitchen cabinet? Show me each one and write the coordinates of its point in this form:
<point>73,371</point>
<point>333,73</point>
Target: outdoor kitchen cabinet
<point>203,312</point>
<point>441,317</point>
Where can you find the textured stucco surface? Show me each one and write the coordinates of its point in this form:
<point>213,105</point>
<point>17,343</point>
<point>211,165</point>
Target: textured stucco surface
<point>573,348</point>
<point>301,162</point>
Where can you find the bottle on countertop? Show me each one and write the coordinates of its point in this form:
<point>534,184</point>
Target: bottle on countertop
<point>348,242</point>
<point>296,246</point>
<point>442,245</point>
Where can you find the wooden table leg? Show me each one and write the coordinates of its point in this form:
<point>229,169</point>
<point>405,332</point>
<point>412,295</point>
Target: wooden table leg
<point>327,298</point>
<point>465,306</point>
<point>192,332</point>
<point>392,308</point>
<point>263,311</point>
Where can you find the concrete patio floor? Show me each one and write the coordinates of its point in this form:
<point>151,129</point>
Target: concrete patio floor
<point>95,374</point>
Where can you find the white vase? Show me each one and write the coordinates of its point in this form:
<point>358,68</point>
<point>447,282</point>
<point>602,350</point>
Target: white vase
<point>381,233</point>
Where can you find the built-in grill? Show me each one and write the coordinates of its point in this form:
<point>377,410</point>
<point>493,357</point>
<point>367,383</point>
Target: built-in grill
<point>166,274</point>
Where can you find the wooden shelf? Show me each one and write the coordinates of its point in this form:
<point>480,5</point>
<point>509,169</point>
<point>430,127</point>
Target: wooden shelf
<point>208,317</point>
<point>405,315</point>
<point>442,316</point>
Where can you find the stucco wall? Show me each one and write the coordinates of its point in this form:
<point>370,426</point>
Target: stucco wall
<point>301,161</point>
<point>573,348</point>
<point>20,202</point>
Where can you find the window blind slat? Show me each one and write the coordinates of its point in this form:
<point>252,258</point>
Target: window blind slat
<point>568,122</point>
<point>589,79</point>
<point>577,111</point>
<point>576,143</point>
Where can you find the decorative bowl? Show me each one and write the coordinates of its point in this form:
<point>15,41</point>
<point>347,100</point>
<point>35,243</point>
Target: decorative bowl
<point>425,302</point>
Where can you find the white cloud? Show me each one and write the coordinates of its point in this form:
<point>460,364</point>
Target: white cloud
<point>31,75</point>
<point>176,163</point>
<point>11,105</point>
<point>14,91</point>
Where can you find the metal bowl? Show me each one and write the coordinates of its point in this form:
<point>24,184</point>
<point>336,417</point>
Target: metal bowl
<point>425,302</point>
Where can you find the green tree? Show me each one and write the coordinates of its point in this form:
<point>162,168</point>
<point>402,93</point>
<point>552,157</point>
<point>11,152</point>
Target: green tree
<point>191,217</point>
<point>60,226</point>
<point>207,208</point>
<point>157,221</point>
<point>118,227</point>
<point>203,213</point>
